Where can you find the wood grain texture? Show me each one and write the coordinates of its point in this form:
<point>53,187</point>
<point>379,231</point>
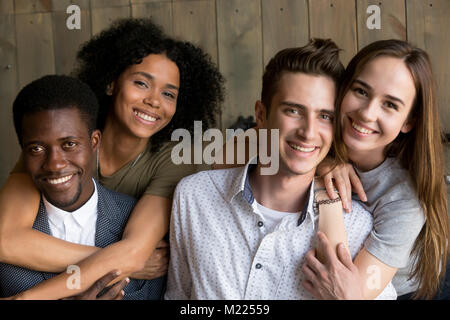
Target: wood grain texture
<point>285,24</point>
<point>195,21</point>
<point>159,12</point>
<point>101,18</point>
<point>61,5</point>
<point>6,7</point>
<point>147,1</point>
<point>240,56</point>
<point>68,42</point>
<point>8,91</point>
<point>32,6</point>
<point>109,3</point>
<point>428,27</point>
<point>393,21</point>
<point>35,50</point>
<point>335,19</point>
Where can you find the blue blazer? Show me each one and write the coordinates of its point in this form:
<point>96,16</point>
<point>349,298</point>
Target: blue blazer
<point>113,212</point>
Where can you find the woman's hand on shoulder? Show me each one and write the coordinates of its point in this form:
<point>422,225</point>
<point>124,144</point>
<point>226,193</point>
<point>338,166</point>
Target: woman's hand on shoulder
<point>345,178</point>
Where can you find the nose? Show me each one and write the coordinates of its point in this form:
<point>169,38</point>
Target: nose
<point>153,98</point>
<point>55,161</point>
<point>308,128</point>
<point>368,112</point>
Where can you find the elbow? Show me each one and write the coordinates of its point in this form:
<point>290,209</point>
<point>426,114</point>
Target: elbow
<point>138,261</point>
<point>6,246</point>
<point>135,259</point>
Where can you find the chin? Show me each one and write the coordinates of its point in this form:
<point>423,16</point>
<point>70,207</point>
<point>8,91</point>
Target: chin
<point>65,200</point>
<point>62,203</point>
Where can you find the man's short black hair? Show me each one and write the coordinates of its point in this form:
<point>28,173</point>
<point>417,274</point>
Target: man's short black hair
<point>54,92</point>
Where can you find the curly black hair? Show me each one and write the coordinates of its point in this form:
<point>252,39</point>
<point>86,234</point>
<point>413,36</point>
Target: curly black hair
<point>102,60</point>
<point>55,92</point>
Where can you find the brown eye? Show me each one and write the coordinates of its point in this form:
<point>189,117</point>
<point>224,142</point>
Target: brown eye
<point>35,149</point>
<point>169,95</point>
<point>141,84</point>
<point>361,92</point>
<point>391,105</point>
<point>70,145</point>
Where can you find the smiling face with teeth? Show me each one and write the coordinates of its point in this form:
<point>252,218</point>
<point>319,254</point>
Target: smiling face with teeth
<point>58,154</point>
<point>145,96</point>
<point>376,109</point>
<point>302,109</point>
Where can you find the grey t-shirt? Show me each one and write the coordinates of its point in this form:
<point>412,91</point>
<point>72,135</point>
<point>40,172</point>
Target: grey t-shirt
<point>398,219</point>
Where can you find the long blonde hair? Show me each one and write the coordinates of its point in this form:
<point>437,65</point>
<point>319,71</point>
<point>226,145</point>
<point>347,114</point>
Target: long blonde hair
<point>420,151</point>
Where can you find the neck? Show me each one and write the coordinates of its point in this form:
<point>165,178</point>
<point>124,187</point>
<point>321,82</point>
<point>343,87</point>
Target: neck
<point>366,160</point>
<point>118,147</point>
<point>281,192</point>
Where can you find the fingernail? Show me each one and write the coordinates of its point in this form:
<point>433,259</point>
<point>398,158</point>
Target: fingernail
<point>122,292</point>
<point>117,273</point>
<point>127,280</point>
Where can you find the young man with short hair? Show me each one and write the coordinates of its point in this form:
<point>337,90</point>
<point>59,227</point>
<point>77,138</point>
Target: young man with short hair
<point>240,234</point>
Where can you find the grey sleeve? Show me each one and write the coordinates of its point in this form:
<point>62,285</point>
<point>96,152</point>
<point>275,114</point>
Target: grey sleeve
<point>396,227</point>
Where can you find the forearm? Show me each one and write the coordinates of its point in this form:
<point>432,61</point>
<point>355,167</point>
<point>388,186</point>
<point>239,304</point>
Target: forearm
<point>331,220</point>
<point>375,275</point>
<point>90,270</point>
<point>144,230</point>
<point>20,244</point>
<point>35,250</point>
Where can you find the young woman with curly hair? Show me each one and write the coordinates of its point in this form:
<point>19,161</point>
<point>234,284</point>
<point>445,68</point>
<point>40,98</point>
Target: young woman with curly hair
<point>147,85</point>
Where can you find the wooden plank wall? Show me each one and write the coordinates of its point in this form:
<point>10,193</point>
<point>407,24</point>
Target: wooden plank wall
<point>240,35</point>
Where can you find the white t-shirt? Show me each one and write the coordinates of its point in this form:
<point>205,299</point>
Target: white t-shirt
<point>271,218</point>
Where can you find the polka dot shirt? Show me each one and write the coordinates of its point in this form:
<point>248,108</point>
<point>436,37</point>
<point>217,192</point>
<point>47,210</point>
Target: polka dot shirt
<point>220,248</point>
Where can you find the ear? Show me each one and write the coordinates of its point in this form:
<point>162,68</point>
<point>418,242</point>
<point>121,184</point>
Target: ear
<point>260,114</point>
<point>96,138</point>
<point>408,125</point>
<point>110,89</point>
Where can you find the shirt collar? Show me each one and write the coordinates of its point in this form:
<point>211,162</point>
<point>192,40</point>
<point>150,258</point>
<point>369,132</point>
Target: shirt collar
<point>82,215</point>
<point>242,185</point>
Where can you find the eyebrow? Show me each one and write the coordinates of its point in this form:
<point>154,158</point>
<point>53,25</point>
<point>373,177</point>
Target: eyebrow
<point>60,139</point>
<point>303,108</point>
<point>150,77</point>
<point>387,95</point>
